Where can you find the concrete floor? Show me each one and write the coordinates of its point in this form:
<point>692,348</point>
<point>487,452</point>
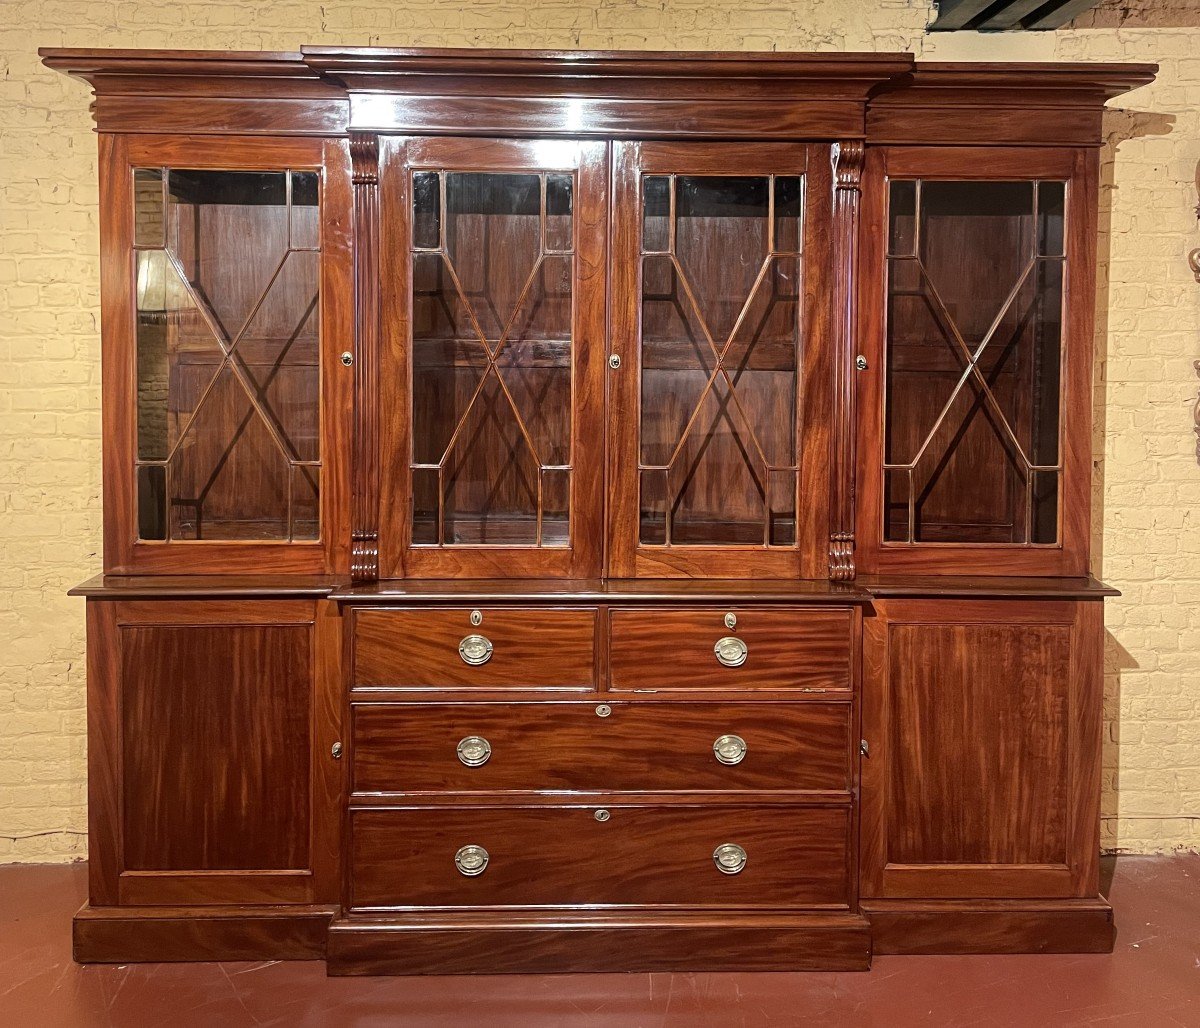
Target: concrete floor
<point>1151,980</point>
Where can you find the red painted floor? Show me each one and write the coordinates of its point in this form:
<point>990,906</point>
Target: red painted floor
<point>1151,980</point>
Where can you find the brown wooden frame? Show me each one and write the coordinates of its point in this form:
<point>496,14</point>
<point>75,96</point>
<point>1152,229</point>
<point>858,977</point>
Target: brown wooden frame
<point>1080,169</point>
<point>1078,874</point>
<point>627,557</point>
<point>111,883</point>
<point>124,553</point>
<point>399,157</point>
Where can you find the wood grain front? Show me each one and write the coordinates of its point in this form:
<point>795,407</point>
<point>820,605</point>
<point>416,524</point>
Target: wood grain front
<point>210,727</point>
<point>640,855</point>
<point>983,725</point>
<point>531,647</point>
<point>786,648</point>
<point>568,746</point>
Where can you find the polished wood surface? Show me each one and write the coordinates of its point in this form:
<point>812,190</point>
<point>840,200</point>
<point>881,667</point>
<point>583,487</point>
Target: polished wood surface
<point>644,942</point>
<point>796,856</point>
<point>160,935</point>
<point>430,943</point>
<point>991,926</point>
<point>229,706</point>
<point>1008,694</point>
<point>567,747</point>
<point>673,649</point>
<point>205,782</point>
<point>273,725</point>
<point>419,648</point>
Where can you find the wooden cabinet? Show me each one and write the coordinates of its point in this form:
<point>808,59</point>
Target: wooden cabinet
<point>594,511</point>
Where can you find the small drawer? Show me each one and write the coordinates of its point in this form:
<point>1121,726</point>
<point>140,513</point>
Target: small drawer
<point>638,746</point>
<point>475,647</point>
<point>619,854</point>
<point>731,648</point>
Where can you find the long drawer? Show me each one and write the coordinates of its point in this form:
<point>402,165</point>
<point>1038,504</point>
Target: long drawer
<point>417,747</point>
<point>760,648</point>
<point>499,648</point>
<point>621,854</point>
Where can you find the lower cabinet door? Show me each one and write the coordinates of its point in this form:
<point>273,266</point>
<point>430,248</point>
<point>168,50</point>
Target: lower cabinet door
<point>211,779</point>
<point>688,856</point>
<point>982,720</point>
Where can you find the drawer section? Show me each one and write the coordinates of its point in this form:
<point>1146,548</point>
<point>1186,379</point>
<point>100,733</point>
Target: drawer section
<point>434,647</point>
<point>640,746</point>
<point>636,855</point>
<point>767,648</point>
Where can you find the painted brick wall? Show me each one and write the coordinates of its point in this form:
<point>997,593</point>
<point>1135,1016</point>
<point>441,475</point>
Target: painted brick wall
<point>1148,542</point>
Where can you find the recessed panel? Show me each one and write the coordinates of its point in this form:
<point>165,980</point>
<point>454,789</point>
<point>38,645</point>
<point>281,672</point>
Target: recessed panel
<point>215,747</point>
<point>980,732</point>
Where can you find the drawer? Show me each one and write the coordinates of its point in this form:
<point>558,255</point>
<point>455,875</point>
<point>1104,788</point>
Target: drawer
<point>638,746</point>
<point>639,855</point>
<point>527,647</point>
<point>780,648</point>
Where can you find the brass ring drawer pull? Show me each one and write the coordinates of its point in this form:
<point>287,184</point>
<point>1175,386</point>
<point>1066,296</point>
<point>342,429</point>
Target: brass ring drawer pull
<point>730,858</point>
<point>471,860</point>
<point>475,649</point>
<point>729,749</point>
<point>474,750</point>
<point>731,651</point>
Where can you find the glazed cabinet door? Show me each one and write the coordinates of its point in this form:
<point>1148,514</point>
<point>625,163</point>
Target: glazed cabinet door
<point>720,362</point>
<point>976,323</point>
<point>211,776</point>
<point>227,299</point>
<point>492,381</point>
<point>982,720</point>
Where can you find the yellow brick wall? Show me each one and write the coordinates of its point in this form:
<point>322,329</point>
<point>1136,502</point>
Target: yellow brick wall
<point>1148,537</point>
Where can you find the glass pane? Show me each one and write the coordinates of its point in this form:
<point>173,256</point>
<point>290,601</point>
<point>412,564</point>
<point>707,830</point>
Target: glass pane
<point>427,210</point>
<point>720,338</point>
<point>148,226</point>
<point>492,334</point>
<point>973,362</point>
<point>228,356</point>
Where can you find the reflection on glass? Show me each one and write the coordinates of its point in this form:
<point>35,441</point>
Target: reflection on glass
<point>974,337</point>
<point>720,337</point>
<point>228,375</point>
<point>492,269</point>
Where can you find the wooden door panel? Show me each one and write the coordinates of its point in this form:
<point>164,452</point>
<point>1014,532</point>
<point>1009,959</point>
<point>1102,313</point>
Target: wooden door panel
<point>991,702</point>
<point>493,259</point>
<point>982,721</point>
<point>719,467</point>
<point>210,775</point>
<point>214,727</point>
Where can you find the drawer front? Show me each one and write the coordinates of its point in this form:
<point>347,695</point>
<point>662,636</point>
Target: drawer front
<point>432,648</point>
<point>779,648</point>
<point>638,855</point>
<point>637,746</point>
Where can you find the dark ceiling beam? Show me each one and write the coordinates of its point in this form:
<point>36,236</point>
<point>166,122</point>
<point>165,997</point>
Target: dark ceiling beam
<point>1011,14</point>
<point>954,14</point>
<point>1007,15</point>
<point>1061,14</point>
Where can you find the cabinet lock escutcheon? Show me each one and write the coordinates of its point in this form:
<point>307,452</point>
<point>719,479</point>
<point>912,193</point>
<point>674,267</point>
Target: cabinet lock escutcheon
<point>614,361</point>
<point>860,362</point>
<point>347,358</point>
<point>336,751</point>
